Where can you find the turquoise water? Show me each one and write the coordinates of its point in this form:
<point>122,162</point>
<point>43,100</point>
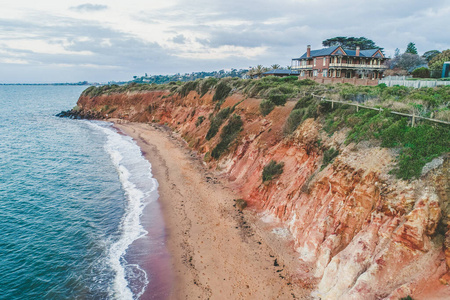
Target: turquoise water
<point>71,197</point>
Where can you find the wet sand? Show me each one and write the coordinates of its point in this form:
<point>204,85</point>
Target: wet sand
<point>217,251</point>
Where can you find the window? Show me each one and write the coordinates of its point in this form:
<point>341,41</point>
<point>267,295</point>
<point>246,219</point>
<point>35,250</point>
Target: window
<point>350,61</point>
<point>324,72</point>
<point>315,72</point>
<point>324,61</point>
<point>302,73</point>
<point>338,73</point>
<point>314,62</point>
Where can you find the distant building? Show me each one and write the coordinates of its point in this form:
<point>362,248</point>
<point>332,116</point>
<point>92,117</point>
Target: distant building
<point>336,64</point>
<point>281,73</point>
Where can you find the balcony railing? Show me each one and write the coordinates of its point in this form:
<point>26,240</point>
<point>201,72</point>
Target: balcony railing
<point>307,67</point>
<point>341,65</point>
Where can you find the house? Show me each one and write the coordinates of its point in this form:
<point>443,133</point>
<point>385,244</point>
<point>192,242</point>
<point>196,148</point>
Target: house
<point>281,73</point>
<point>336,64</point>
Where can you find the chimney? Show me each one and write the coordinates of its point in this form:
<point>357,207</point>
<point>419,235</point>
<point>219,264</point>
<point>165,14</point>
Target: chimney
<point>308,51</point>
<point>357,50</point>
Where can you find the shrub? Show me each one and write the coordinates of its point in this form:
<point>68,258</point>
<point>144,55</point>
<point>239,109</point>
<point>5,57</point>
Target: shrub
<point>199,121</point>
<point>421,73</point>
<point>292,122</point>
<point>277,97</point>
<point>228,134</point>
<point>222,91</point>
<point>266,106</point>
<point>328,156</point>
<point>217,121</point>
<point>186,88</point>
<point>206,85</point>
<point>241,204</point>
<point>272,170</point>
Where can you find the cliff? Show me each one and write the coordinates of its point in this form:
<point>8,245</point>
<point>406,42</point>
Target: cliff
<point>360,232</point>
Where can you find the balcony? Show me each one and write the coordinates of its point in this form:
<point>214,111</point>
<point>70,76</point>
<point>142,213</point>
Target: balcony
<point>307,67</point>
<point>356,66</point>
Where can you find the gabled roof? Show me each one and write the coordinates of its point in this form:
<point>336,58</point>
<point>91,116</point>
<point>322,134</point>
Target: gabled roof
<point>347,52</point>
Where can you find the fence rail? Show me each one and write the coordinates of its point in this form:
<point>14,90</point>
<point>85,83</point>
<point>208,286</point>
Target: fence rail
<point>358,106</point>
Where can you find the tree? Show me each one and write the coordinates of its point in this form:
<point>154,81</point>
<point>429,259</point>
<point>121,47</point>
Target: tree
<point>429,55</point>
<point>275,66</point>
<point>437,62</point>
<point>406,61</point>
<point>411,48</point>
<point>350,42</point>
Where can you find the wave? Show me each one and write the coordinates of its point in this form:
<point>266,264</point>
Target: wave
<point>140,188</point>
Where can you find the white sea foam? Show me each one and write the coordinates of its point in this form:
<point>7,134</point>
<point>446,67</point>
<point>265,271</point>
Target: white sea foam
<point>140,188</point>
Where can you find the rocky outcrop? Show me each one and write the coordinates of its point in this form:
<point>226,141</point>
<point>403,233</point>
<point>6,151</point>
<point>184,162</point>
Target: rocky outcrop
<point>359,231</point>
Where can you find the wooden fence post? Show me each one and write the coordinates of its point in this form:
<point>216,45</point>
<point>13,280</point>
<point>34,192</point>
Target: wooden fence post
<point>413,118</point>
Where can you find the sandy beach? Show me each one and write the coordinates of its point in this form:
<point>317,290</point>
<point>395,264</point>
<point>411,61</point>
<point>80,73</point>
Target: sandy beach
<point>218,252</point>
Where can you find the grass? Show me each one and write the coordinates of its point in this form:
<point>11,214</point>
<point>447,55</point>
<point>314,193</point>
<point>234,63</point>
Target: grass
<point>272,170</point>
<point>417,145</point>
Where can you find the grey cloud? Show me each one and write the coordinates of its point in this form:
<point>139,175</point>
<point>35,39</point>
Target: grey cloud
<point>179,39</point>
<point>89,7</point>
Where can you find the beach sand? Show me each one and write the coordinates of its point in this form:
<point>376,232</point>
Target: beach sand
<point>217,252</point>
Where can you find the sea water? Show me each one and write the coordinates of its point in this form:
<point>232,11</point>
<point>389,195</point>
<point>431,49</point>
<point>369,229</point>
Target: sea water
<point>72,197</point>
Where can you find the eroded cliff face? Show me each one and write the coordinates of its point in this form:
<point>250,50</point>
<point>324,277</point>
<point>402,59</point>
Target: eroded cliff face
<point>360,232</point>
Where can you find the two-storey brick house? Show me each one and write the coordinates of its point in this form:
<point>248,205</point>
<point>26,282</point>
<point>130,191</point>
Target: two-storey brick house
<point>337,62</point>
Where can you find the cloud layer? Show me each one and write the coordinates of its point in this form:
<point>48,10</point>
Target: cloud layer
<point>113,41</point>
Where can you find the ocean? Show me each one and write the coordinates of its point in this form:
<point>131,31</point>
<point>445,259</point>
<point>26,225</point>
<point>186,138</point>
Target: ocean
<point>79,216</point>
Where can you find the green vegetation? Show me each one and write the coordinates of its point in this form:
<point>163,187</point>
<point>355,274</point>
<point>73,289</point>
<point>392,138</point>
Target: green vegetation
<point>407,298</point>
<point>199,121</point>
<point>328,156</point>
<point>421,73</point>
<point>417,145</point>
<point>437,62</point>
<point>222,91</point>
<point>227,136</point>
<point>306,107</point>
<point>186,88</point>
<point>216,122</point>
<point>241,204</point>
<point>272,170</point>
<point>266,106</point>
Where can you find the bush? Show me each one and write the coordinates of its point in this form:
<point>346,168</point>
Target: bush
<point>217,121</point>
<point>199,121</point>
<point>186,88</point>
<point>277,97</point>
<point>421,73</point>
<point>241,204</point>
<point>206,85</point>
<point>222,91</point>
<point>266,106</point>
<point>272,170</point>
<point>228,134</point>
<point>328,156</point>
<point>292,122</point>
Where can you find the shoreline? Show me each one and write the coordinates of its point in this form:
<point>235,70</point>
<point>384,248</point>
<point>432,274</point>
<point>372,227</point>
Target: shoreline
<point>216,251</point>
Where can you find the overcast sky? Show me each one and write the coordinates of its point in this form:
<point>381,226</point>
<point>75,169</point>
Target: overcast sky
<point>71,41</point>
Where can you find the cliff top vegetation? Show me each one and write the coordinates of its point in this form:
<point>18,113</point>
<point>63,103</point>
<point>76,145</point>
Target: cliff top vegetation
<point>416,145</point>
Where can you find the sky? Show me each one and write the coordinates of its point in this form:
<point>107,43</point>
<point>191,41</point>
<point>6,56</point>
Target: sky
<point>99,41</point>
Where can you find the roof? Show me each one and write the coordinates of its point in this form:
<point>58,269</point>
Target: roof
<point>330,50</point>
<point>281,72</point>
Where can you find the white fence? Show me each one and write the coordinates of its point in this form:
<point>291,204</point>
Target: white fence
<point>401,80</point>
